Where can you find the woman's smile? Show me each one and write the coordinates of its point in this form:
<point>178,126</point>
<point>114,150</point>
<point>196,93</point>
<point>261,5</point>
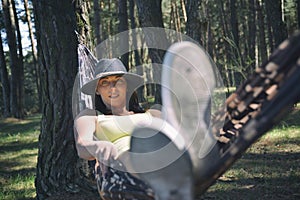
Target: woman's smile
<point>114,96</point>
<point>113,91</point>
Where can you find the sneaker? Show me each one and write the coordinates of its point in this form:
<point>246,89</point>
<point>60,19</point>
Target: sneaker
<point>159,158</point>
<point>174,153</point>
<point>188,81</point>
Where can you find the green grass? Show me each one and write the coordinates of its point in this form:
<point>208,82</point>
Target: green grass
<point>18,156</point>
<point>270,169</point>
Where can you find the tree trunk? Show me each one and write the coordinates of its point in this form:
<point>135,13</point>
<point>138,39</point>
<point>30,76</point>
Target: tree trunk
<point>34,51</point>
<point>4,81</point>
<point>150,15</point>
<point>236,43</point>
<point>227,46</point>
<point>269,29</point>
<point>210,47</point>
<point>97,24</point>
<point>123,26</point>
<point>262,46</point>
<point>137,58</point>
<point>193,28</point>
<point>57,167</point>
<point>12,44</point>
<point>298,11</point>
<point>234,22</point>
<point>252,37</point>
<point>274,13</point>
<point>20,68</point>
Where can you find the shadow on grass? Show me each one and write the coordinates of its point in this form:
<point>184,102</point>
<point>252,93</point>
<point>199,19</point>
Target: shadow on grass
<point>16,162</point>
<point>21,164</point>
<point>259,176</point>
<point>262,189</point>
<point>18,183</point>
<point>15,173</point>
<point>17,127</point>
<point>18,146</point>
<point>292,119</point>
<point>18,151</point>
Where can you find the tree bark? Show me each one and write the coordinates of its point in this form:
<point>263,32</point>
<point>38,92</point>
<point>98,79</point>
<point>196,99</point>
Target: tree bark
<point>97,24</point>
<point>236,42</point>
<point>137,57</point>
<point>20,68</point>
<point>274,13</point>
<point>234,23</point>
<point>193,26</point>
<point>262,46</point>
<point>123,26</point>
<point>34,51</point>
<point>57,167</point>
<point>210,47</point>
<point>4,81</point>
<point>227,46</point>
<point>9,24</point>
<point>298,12</point>
<point>150,15</point>
<point>252,37</point>
<point>269,29</point>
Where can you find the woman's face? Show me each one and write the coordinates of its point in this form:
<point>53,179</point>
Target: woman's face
<point>113,91</point>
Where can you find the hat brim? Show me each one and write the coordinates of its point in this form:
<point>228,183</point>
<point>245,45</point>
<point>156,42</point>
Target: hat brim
<point>133,82</point>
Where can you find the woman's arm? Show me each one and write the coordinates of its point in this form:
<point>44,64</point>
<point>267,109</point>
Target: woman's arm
<point>87,147</point>
<point>84,129</point>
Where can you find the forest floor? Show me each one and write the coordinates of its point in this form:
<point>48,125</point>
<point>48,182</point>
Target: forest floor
<point>270,169</point>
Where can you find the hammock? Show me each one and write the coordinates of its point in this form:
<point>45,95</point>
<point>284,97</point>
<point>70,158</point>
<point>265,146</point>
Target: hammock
<point>86,67</point>
<point>253,109</point>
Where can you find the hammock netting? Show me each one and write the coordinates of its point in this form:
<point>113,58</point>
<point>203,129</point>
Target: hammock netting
<point>86,67</point>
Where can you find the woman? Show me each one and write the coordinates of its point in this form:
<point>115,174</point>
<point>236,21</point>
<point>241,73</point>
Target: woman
<point>103,134</point>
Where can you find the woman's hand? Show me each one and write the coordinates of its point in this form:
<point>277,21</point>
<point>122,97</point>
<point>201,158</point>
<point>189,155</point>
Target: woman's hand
<point>106,150</point>
<point>105,153</point>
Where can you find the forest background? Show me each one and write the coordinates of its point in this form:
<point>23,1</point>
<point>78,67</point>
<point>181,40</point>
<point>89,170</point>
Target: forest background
<point>239,35</point>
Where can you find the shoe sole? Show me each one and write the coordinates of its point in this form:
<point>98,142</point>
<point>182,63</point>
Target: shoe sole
<point>188,80</point>
<point>162,163</point>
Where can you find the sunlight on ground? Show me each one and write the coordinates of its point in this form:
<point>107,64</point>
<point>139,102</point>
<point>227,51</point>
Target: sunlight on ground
<point>18,149</point>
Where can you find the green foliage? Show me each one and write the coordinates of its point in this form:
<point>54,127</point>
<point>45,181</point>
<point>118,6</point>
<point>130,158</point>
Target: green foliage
<point>31,97</point>
<point>290,15</point>
<point>109,16</point>
<point>30,87</point>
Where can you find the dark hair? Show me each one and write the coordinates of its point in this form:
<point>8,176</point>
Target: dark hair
<point>133,104</point>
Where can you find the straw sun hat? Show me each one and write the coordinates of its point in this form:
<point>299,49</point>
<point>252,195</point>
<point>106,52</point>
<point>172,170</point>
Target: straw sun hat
<point>109,67</point>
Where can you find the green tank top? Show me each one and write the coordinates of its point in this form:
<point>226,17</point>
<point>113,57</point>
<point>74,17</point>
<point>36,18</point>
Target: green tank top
<point>117,129</point>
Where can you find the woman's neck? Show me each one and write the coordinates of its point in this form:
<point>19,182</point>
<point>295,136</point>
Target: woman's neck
<point>121,111</point>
